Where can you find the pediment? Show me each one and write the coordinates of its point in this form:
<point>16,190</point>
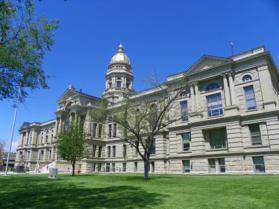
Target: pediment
<point>206,62</point>
<point>69,93</point>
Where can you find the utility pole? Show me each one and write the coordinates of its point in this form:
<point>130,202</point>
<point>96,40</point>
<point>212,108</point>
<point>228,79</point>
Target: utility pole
<point>13,129</point>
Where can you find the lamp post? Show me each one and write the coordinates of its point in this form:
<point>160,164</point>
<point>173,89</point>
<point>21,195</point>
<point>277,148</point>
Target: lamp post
<point>13,129</point>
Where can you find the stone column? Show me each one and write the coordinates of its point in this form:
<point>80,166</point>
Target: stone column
<point>197,99</point>
<point>113,82</point>
<point>232,91</point>
<point>226,90</point>
<point>267,87</point>
<point>192,97</point>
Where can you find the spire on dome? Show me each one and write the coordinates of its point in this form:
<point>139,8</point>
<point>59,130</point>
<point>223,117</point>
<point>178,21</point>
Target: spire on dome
<point>120,56</point>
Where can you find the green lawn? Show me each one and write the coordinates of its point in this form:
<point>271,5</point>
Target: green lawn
<point>129,191</point>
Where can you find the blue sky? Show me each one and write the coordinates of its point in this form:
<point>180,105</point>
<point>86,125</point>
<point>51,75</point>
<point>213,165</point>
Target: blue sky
<point>165,36</point>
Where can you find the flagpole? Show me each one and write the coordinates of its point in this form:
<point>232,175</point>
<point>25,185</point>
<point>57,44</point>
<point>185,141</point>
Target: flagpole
<point>13,130</point>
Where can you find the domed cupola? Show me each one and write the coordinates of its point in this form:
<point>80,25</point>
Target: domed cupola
<point>119,77</point>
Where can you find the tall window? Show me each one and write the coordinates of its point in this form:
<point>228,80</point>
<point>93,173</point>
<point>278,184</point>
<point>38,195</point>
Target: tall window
<point>135,166</point>
<point>100,151</point>
<point>124,165</point>
<point>186,166</point>
<point>153,148</point>
<point>113,151</point>
<point>108,151</point>
<point>100,130</point>
<point>214,105</point>
<point>255,134</point>
<point>259,165</point>
<point>118,84</point>
<point>110,131</point>
<point>184,110</point>
<point>94,130</point>
<point>124,151</point>
<point>114,129</point>
<point>186,138</point>
<point>94,150</point>
<point>250,98</point>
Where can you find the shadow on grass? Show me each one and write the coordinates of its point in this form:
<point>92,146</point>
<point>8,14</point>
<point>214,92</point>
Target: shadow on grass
<point>41,193</point>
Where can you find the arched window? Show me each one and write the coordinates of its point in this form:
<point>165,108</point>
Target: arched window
<point>246,78</point>
<point>212,86</point>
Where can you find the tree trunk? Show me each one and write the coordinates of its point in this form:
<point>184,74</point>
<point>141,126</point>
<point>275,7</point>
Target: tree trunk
<point>73,167</point>
<point>146,169</point>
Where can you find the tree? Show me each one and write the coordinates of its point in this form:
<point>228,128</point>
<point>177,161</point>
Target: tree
<point>142,120</point>
<point>23,44</point>
<point>71,143</point>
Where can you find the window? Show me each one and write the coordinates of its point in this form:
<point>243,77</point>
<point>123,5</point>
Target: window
<point>186,138</point>
<point>124,165</point>
<point>107,167</point>
<point>214,105</point>
<point>113,167</point>
<point>127,84</point>
<point>108,151</point>
<point>100,130</point>
<point>246,78</point>
<point>94,129</point>
<point>186,166</point>
<point>135,166</point>
<point>184,110</point>
<point>124,151</point>
<point>250,98</point>
<point>217,138</point>
<point>152,166</point>
<point>114,129</point>
<point>118,84</point>
<point>94,150</point>
<point>255,134</point>
<point>110,131</point>
<point>217,165</point>
<point>153,148</point>
<point>259,164</point>
<point>113,151</point>
<point>100,151</point>
<point>212,86</point>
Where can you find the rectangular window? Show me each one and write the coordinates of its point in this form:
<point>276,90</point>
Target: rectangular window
<point>118,84</point>
<point>94,130</point>
<point>153,148</point>
<point>217,165</point>
<point>152,166</point>
<point>113,167</point>
<point>217,138</point>
<point>186,138</point>
<point>135,166</point>
<point>124,165</point>
<point>250,98</point>
<point>114,129</point>
<point>184,110</point>
<point>259,164</point>
<point>186,166</point>
<point>222,167</point>
<point>108,151</point>
<point>110,131</point>
<point>212,167</point>
<point>124,151</point>
<point>214,105</point>
<point>100,131</point>
<point>100,152</point>
<point>255,134</point>
<point>107,167</point>
<point>94,150</point>
<point>113,151</point>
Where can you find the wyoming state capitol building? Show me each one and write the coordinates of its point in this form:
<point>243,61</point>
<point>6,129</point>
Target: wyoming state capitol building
<point>229,120</point>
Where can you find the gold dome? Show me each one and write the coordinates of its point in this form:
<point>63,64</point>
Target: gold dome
<point>120,56</point>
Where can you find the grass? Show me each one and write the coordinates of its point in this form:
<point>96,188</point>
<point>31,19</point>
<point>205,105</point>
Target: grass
<point>130,191</point>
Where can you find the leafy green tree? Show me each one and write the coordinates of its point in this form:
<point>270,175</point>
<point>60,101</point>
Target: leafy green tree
<point>71,144</point>
<point>24,41</point>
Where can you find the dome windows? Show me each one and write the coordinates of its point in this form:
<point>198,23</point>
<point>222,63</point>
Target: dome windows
<point>247,78</point>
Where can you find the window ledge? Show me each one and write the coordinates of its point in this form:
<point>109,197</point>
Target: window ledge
<point>216,150</point>
<point>185,152</point>
<point>257,146</point>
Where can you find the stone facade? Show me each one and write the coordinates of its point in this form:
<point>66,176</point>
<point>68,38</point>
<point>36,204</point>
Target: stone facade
<point>230,120</point>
